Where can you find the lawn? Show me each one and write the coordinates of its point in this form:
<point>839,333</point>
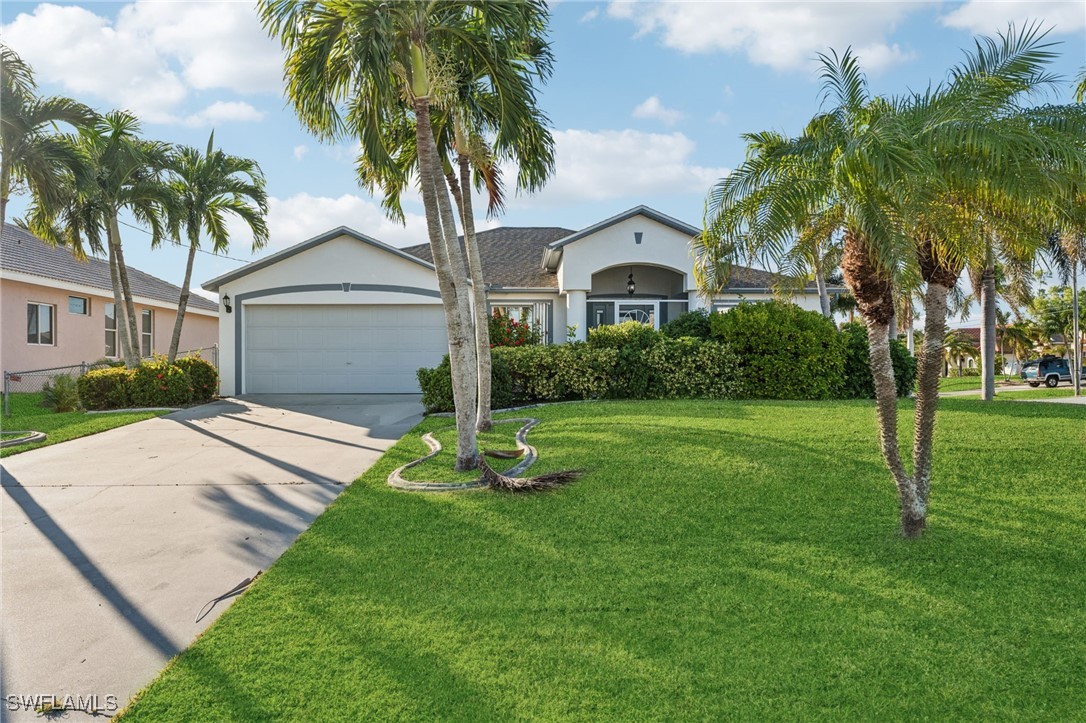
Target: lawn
<point>720,560</point>
<point>961,384</point>
<point>27,414</point>
<point>1042,393</point>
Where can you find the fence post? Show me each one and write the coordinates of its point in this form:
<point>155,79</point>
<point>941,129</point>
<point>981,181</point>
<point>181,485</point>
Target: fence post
<point>83,368</point>
<point>215,353</point>
<point>7,413</point>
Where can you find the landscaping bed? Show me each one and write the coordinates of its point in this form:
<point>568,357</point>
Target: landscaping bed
<point>719,560</point>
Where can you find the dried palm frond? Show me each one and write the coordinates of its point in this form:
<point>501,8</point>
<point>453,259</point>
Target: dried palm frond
<point>499,481</point>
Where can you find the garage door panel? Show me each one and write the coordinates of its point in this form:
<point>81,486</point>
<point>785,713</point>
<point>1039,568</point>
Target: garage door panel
<point>340,348</point>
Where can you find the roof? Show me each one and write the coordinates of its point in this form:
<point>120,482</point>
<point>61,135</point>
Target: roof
<point>652,213</point>
<point>510,256</point>
<point>298,248</point>
<point>22,252</point>
<point>745,278</point>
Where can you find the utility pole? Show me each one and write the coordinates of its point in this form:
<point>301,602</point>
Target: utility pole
<point>1076,371</point>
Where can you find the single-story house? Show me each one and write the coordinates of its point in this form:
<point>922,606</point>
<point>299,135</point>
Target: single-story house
<point>57,310</point>
<point>346,313</point>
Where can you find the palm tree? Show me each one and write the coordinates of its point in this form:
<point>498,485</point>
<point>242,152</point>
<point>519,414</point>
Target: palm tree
<point>354,67</point>
<point>956,347</point>
<point>1080,89</point>
<point>30,155</point>
<point>206,188</point>
<point>120,172</point>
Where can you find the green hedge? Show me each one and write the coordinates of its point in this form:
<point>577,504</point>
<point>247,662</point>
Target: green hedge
<point>785,352</point>
<point>108,388</point>
<point>858,381</point>
<point>694,324</point>
<point>436,384</point>
<point>155,383</point>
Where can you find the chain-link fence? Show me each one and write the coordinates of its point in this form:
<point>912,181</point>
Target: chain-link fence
<point>32,380</point>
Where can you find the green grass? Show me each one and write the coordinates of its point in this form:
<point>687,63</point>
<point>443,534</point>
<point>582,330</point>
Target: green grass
<point>719,561</point>
<point>27,414</point>
<point>440,467</point>
<point>961,384</point>
<point>1041,393</point>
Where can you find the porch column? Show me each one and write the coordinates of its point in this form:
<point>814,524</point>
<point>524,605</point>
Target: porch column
<point>577,313</point>
<point>696,301</point>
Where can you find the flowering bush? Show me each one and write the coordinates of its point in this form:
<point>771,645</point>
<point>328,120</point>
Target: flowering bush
<point>157,383</point>
<point>507,331</point>
<point>203,375</point>
<point>108,388</point>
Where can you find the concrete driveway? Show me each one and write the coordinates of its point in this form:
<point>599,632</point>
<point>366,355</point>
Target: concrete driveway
<point>111,544</point>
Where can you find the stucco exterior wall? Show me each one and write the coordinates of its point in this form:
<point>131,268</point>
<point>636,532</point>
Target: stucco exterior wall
<point>342,260</point>
<point>617,246</point>
<point>80,338</point>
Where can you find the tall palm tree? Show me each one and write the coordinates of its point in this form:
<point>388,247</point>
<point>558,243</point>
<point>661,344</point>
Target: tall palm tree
<point>1080,89</point>
<point>353,67</point>
<point>31,154</point>
<point>956,347</point>
<point>120,172</point>
<point>207,187</point>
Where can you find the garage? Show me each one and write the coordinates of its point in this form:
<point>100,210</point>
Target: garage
<point>341,348</point>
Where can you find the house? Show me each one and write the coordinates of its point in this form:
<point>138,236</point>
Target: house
<point>344,312</point>
<point>57,310</point>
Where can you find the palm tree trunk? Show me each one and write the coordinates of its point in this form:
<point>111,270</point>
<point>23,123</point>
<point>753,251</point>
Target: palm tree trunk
<point>135,354</point>
<point>123,309</point>
<point>461,190</point>
<point>987,330</point>
<point>820,283</point>
<point>120,330</point>
<point>927,384</point>
<point>182,302</point>
<point>913,507</point>
<point>5,189</point>
<point>458,324</point>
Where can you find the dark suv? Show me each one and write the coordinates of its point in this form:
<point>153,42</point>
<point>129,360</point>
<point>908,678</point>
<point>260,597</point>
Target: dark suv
<point>1050,370</point>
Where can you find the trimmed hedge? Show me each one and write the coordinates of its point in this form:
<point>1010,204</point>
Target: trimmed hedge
<point>858,381</point>
<point>155,383</point>
<point>694,324</point>
<point>784,351</point>
<point>107,388</point>
<point>669,368</point>
<point>203,375</point>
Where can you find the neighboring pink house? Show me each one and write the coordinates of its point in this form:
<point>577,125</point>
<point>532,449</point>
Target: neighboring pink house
<point>56,310</point>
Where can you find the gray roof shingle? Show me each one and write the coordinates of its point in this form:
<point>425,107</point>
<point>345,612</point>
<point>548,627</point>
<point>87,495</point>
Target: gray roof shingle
<point>511,256</point>
<point>20,251</point>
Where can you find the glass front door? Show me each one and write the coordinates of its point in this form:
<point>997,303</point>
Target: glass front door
<point>641,313</point>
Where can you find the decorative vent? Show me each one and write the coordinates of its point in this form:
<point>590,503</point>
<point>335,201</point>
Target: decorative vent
<point>637,237</point>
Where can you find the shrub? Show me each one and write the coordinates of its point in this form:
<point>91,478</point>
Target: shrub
<point>619,336</point>
<point>436,385</point>
<point>157,383</point>
<point>108,388</point>
<point>507,331</point>
<point>784,352</point>
<point>61,394</point>
<point>858,382</point>
<point>694,324</point>
<point>203,375</point>
<point>690,367</point>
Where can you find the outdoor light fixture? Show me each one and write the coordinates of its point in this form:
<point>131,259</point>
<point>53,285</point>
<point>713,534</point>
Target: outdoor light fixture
<point>631,287</point>
<point>226,303</point>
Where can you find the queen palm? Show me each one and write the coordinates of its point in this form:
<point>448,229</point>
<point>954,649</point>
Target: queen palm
<point>353,67</point>
<point>121,172</point>
<point>207,187</point>
<point>30,154</point>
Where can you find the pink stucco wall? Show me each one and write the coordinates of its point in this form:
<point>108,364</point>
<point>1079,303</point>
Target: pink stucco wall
<point>81,338</point>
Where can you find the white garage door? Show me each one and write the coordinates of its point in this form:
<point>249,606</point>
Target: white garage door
<point>341,349</point>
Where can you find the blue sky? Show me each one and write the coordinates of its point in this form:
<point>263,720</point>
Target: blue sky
<point>647,101</point>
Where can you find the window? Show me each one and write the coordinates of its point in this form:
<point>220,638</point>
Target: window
<point>111,330</point>
<point>39,324</point>
<point>79,305</point>
<point>147,322</point>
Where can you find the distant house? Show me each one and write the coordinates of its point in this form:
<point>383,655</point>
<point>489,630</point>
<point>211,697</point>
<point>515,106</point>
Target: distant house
<point>344,312</point>
<point>56,310</point>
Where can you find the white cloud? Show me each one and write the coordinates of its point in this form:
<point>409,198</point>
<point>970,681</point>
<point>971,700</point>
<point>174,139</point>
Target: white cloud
<point>300,151</point>
<point>720,118</point>
<point>595,166</point>
<point>225,112</point>
<point>302,216</point>
<point>988,18</point>
<point>590,15</point>
<point>151,56</point>
<point>653,108</point>
<point>782,35</point>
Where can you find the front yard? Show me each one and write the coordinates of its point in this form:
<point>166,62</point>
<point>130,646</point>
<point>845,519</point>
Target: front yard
<point>720,560</point>
<point>27,414</point>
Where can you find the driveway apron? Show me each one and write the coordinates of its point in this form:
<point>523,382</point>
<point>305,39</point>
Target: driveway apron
<point>110,545</point>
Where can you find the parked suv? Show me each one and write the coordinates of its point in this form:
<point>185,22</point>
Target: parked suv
<point>1049,370</point>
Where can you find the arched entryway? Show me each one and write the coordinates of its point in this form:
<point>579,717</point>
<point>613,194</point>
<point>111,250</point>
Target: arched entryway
<point>637,292</point>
